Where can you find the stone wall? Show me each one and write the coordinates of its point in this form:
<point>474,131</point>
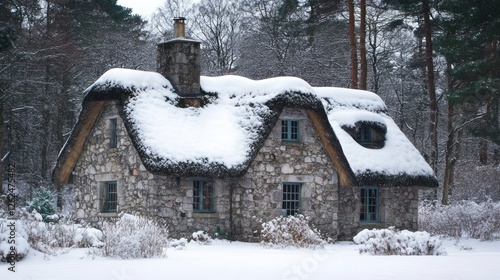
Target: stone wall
<point>303,162</point>
<point>256,197</point>
<point>398,207</point>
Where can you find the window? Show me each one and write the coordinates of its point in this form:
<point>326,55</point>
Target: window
<point>113,133</point>
<point>365,134</point>
<point>291,198</point>
<point>369,205</point>
<point>110,197</point>
<point>203,196</point>
<point>290,130</point>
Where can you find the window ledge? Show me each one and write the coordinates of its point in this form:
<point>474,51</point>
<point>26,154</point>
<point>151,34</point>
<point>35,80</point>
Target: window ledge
<point>108,214</point>
<point>372,225</point>
<point>205,215</point>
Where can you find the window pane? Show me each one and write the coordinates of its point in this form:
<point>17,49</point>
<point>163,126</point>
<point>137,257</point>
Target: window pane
<point>291,198</point>
<point>114,133</point>
<point>202,196</point>
<point>294,133</point>
<point>196,195</point>
<point>365,133</point>
<point>290,130</point>
<point>111,199</point>
<point>284,129</point>
<point>369,207</point>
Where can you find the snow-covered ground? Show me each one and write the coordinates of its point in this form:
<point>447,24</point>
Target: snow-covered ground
<point>469,259</point>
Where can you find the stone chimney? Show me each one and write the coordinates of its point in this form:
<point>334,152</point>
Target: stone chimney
<point>179,61</point>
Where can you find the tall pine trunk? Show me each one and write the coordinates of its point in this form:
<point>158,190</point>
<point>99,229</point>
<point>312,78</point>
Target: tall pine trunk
<point>354,52</point>
<point>431,87</point>
<point>450,156</point>
<point>362,47</point>
<point>2,143</point>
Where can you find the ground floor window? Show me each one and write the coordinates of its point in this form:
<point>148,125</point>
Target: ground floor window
<point>203,196</point>
<point>369,205</point>
<point>291,198</point>
<point>110,197</point>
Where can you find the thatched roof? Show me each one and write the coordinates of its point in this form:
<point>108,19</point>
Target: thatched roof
<point>174,140</point>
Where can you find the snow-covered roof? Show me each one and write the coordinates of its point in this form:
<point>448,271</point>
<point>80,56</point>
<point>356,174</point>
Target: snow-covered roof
<point>221,137</point>
<point>398,156</point>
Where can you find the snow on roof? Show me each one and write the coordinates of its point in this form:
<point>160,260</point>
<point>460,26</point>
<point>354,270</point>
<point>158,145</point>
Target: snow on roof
<point>132,80</point>
<point>244,91</point>
<point>350,98</point>
<point>224,131</point>
<point>398,156</point>
<point>218,133</point>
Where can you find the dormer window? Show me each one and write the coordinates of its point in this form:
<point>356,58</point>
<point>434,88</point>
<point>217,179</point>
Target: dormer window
<point>368,134</point>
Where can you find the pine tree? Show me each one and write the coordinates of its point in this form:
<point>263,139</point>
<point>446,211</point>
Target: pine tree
<point>470,44</point>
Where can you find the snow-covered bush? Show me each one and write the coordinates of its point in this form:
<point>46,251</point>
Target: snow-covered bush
<point>133,237</point>
<point>12,234</point>
<point>290,231</point>
<point>393,242</point>
<point>44,202</point>
<point>201,237</point>
<point>461,219</point>
<point>178,244</point>
<point>50,238</point>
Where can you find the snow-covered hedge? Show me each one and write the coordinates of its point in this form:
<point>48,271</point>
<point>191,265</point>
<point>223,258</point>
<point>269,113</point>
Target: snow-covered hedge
<point>461,219</point>
<point>393,242</point>
<point>133,237</point>
<point>50,238</point>
<point>201,237</point>
<point>290,231</point>
<point>12,236</point>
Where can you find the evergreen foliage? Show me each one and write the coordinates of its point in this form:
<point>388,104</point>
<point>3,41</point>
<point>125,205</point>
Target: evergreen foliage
<point>469,42</point>
<point>44,202</point>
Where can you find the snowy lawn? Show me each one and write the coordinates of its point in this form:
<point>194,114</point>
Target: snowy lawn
<point>469,259</point>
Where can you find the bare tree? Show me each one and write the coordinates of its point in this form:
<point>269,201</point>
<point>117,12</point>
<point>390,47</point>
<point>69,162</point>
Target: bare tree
<point>217,24</point>
<point>162,19</point>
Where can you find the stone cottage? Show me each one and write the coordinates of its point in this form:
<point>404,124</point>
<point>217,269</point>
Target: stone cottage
<point>225,153</point>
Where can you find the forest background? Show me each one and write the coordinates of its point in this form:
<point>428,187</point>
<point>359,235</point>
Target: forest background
<point>434,62</point>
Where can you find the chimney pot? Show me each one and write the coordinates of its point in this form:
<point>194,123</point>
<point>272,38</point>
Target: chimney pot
<point>179,26</point>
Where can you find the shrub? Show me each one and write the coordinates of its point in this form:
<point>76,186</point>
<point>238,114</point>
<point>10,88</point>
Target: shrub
<point>49,238</point>
<point>392,242</point>
<point>290,231</point>
<point>133,237</point>
<point>178,244</point>
<point>21,246</point>
<point>201,237</point>
<point>461,219</point>
<point>44,202</point>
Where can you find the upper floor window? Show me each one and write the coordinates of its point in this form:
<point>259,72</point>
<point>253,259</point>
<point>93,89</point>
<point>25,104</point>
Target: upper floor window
<point>369,205</point>
<point>113,133</point>
<point>291,198</point>
<point>203,196</point>
<point>290,130</point>
<point>365,134</point>
<point>110,197</point>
